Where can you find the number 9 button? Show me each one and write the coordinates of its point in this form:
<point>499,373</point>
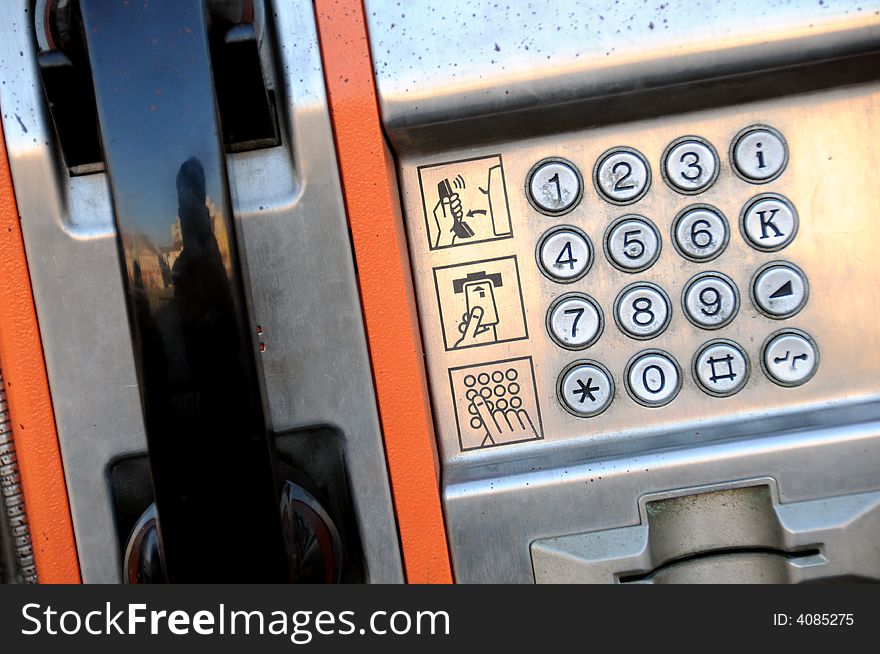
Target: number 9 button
<point>700,233</point>
<point>642,310</point>
<point>575,321</point>
<point>710,300</point>
<point>632,243</point>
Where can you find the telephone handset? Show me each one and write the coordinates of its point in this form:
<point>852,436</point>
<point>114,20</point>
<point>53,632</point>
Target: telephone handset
<point>460,228</point>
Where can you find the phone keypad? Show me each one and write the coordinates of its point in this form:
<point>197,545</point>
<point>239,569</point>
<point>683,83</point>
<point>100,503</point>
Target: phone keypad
<point>710,300</point>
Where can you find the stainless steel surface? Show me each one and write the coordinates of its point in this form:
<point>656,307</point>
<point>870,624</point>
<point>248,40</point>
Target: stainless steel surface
<point>509,67</point>
<point>300,278</point>
<point>733,534</point>
<point>16,544</point>
<point>478,95</point>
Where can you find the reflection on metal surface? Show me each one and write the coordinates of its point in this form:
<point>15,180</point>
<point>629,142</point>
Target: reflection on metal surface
<point>194,353</point>
<point>296,263</point>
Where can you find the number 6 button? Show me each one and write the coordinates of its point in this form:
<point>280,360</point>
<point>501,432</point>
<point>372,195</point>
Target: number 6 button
<point>700,233</point>
<point>575,321</point>
<point>632,243</point>
<point>565,254</point>
<point>642,310</point>
<point>690,165</point>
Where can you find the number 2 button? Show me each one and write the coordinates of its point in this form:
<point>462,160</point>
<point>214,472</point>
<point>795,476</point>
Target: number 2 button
<point>642,310</point>
<point>622,175</point>
<point>565,254</point>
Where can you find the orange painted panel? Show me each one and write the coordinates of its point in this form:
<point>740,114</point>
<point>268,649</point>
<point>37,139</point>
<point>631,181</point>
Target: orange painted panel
<point>30,404</point>
<point>370,186</point>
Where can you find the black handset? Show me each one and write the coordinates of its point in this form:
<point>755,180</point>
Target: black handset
<point>460,228</point>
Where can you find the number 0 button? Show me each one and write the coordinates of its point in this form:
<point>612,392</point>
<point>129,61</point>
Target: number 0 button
<point>700,233</point>
<point>642,310</point>
<point>575,321</point>
<point>585,388</point>
<point>653,378</point>
<point>690,165</point>
<point>554,186</point>
<point>710,300</point>
<point>622,175</point>
<point>565,254</point>
<point>632,243</point>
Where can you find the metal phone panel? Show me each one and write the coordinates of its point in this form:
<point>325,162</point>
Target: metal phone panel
<point>299,280</point>
<point>558,89</point>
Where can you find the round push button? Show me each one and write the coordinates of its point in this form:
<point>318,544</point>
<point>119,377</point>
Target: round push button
<point>653,378</point>
<point>710,300</point>
<point>642,310</point>
<point>769,222</point>
<point>700,233</point>
<point>622,175</point>
<point>790,358</point>
<point>565,254</point>
<point>575,321</point>
<point>690,165</point>
<point>780,289</point>
<point>721,368</point>
<point>585,388</point>
<point>554,186</point>
<point>632,243</point>
<point>759,154</point>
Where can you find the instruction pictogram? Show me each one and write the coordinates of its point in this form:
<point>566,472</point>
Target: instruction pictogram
<point>496,403</point>
<point>465,202</point>
<point>480,303</point>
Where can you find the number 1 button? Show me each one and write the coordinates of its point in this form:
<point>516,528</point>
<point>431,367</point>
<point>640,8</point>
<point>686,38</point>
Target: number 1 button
<point>565,254</point>
<point>575,321</point>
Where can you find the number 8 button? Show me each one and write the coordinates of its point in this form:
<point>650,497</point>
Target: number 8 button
<point>642,310</point>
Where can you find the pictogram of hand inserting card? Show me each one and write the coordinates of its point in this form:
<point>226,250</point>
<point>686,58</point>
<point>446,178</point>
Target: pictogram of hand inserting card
<point>496,403</point>
<point>480,303</point>
<point>465,202</point>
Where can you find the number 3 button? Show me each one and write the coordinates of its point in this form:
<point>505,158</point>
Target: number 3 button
<point>565,254</point>
<point>575,321</point>
<point>632,243</point>
<point>690,165</point>
<point>642,310</point>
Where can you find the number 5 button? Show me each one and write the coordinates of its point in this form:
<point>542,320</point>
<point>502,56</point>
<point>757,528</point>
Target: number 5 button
<point>632,243</point>
<point>642,310</point>
<point>575,321</point>
<point>565,254</point>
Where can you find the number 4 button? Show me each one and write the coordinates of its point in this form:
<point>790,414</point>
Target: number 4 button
<point>565,254</point>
